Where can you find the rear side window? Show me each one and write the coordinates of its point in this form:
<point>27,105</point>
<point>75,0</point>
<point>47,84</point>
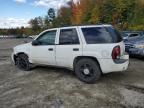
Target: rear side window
<point>115,34</point>
<point>68,37</point>
<point>99,35</point>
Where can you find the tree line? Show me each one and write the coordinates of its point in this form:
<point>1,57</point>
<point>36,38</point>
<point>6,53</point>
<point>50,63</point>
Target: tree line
<point>123,14</point>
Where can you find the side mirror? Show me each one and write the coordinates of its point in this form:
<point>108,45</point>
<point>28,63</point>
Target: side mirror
<point>35,43</point>
<point>125,40</point>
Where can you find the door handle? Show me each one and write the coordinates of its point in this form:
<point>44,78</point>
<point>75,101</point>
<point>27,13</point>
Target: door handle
<point>75,49</point>
<point>50,49</point>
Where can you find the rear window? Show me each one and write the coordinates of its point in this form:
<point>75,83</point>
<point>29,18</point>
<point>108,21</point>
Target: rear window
<point>99,35</point>
<point>133,35</point>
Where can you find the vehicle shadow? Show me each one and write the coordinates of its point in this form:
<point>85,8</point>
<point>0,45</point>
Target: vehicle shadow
<point>117,77</point>
<point>56,70</point>
<point>62,72</point>
<point>137,57</point>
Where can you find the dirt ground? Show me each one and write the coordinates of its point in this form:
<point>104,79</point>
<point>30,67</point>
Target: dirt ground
<point>47,87</point>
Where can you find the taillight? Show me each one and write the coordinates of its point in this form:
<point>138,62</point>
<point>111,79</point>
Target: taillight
<point>116,52</point>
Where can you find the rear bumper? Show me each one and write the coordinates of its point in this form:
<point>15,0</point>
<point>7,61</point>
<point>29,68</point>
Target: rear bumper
<point>108,65</point>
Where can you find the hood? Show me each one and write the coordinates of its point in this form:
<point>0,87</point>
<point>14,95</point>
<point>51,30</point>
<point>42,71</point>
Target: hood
<point>137,40</point>
<point>22,46</point>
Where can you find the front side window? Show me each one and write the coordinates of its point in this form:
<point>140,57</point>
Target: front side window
<point>48,38</point>
<point>68,37</point>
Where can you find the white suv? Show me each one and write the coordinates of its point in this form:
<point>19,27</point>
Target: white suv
<point>88,50</point>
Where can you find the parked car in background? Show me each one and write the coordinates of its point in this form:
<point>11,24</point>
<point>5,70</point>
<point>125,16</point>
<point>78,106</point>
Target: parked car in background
<point>131,34</point>
<point>88,50</point>
<point>7,36</point>
<point>32,36</point>
<point>135,46</point>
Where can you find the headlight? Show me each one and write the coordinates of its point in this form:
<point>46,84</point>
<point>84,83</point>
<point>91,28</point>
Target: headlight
<point>139,46</point>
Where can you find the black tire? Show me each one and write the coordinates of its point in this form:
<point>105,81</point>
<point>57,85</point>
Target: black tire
<point>90,76</point>
<point>22,62</point>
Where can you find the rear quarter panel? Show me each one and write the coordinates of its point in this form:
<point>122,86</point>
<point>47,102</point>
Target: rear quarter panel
<point>102,52</point>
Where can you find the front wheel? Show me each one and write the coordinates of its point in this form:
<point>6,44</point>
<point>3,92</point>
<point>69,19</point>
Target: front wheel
<point>22,62</point>
<point>87,70</point>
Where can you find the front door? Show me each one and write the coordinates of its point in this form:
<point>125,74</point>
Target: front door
<point>44,52</point>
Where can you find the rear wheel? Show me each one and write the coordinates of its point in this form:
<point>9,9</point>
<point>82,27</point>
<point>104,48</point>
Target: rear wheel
<point>22,62</point>
<point>87,70</point>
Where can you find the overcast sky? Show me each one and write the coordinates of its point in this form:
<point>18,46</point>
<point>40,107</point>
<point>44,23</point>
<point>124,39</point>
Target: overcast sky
<point>17,13</point>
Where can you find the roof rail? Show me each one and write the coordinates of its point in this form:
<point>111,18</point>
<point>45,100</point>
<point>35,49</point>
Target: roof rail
<point>83,25</point>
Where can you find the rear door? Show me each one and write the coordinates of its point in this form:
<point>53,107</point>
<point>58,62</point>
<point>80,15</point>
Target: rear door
<point>69,46</point>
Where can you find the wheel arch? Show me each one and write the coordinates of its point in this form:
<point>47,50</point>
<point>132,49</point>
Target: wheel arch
<point>16,55</point>
<point>82,57</point>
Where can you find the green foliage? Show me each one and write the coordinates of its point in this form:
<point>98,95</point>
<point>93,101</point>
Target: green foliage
<point>136,27</point>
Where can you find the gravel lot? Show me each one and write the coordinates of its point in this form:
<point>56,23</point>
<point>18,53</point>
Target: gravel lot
<point>47,87</point>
